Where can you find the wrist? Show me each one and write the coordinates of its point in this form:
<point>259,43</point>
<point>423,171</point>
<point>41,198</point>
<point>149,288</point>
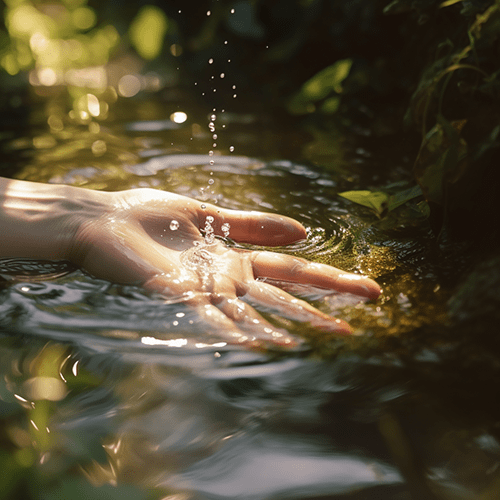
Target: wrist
<point>40,221</point>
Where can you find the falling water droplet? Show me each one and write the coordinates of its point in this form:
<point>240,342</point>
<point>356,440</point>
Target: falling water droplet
<point>210,181</point>
<point>222,75</point>
<point>210,153</point>
<point>231,148</point>
<point>208,12</point>
<point>214,137</point>
<point>174,225</point>
<point>210,61</point>
<point>232,11</point>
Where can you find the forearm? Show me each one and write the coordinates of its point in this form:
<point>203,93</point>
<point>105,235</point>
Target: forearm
<point>39,221</point>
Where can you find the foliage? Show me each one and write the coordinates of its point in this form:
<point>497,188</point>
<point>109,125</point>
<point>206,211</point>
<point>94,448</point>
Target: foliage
<point>382,202</point>
<point>323,89</point>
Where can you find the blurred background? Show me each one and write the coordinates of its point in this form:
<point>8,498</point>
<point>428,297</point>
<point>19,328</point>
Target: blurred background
<point>375,123</point>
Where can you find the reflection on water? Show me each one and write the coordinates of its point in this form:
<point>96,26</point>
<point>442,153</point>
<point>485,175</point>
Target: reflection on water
<point>108,390</point>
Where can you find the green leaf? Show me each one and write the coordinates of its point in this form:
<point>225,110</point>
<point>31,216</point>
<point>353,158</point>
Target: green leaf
<point>401,197</point>
<point>147,31</point>
<point>321,86</point>
<point>376,200</point>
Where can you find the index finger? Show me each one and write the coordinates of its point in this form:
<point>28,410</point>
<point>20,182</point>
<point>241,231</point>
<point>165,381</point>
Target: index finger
<point>257,228</point>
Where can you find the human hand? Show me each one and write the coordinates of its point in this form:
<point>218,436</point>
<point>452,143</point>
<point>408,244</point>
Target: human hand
<point>154,239</point>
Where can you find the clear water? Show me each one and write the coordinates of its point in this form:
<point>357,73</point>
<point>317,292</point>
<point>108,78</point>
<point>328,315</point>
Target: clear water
<point>108,390</point>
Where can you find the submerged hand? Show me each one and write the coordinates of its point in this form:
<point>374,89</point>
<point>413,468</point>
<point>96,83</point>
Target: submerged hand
<point>154,238</point>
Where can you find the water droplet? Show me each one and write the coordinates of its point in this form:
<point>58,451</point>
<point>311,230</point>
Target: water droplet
<point>210,181</point>
<point>214,137</point>
<point>229,60</point>
<point>214,145</point>
<point>212,162</point>
<point>208,12</point>
<point>210,153</point>
<point>210,219</point>
<point>225,42</point>
<point>203,206</point>
<point>231,148</point>
<point>234,96</point>
<point>213,117</point>
<point>222,75</point>
<point>232,11</point>
<point>225,229</point>
<point>210,61</point>
<point>174,225</point>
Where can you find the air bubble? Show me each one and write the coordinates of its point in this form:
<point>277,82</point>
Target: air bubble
<point>225,229</point>
<point>174,225</point>
<point>210,219</point>
<point>203,206</point>
<point>210,181</point>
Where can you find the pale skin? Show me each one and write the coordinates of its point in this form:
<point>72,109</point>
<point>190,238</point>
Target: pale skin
<point>126,237</point>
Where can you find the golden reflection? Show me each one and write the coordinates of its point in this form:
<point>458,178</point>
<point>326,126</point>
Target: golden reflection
<point>178,117</point>
<point>129,85</point>
<point>169,343</point>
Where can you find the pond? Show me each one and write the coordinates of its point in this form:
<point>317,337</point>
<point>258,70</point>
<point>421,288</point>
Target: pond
<point>108,391</point>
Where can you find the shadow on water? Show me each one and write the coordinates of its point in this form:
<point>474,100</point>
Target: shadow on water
<point>110,392</point>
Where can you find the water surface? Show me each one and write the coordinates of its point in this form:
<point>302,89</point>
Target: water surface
<point>109,390</point>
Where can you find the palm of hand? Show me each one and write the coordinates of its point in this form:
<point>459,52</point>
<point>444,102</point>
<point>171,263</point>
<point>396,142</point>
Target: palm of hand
<point>154,239</point>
